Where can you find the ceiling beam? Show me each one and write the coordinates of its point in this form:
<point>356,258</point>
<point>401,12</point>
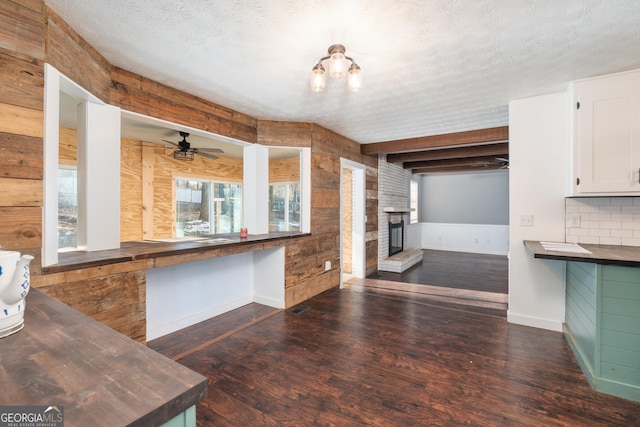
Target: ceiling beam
<point>497,149</point>
<point>434,141</point>
<point>462,162</point>
<point>452,169</point>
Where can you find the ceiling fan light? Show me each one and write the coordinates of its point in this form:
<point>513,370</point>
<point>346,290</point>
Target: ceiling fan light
<point>318,78</point>
<point>355,78</point>
<point>183,155</point>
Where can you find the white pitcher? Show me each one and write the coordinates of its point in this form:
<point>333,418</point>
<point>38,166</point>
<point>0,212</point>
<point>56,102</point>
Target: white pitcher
<point>14,287</point>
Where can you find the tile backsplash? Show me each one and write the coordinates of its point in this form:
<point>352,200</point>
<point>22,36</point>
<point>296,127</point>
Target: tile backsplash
<point>603,220</point>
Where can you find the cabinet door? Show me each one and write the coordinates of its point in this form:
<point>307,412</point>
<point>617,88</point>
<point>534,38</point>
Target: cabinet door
<point>608,132</point>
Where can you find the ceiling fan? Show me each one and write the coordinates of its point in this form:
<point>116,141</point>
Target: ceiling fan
<point>499,163</point>
<point>184,151</point>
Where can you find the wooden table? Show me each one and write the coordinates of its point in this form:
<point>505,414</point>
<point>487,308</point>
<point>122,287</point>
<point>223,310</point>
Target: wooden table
<point>99,376</point>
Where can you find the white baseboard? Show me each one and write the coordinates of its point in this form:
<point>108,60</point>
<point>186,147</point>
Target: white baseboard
<point>534,322</point>
<point>269,302</point>
<point>161,330</point>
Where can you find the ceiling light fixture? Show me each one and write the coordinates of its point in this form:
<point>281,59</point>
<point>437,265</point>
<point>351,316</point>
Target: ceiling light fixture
<point>337,69</point>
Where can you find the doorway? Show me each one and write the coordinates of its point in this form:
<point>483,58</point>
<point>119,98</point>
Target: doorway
<point>353,219</point>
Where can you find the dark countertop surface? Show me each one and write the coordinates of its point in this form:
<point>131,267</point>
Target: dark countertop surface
<point>147,249</point>
<point>628,256</point>
<point>100,377</point>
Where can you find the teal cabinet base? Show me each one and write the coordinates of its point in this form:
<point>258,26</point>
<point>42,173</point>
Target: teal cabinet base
<point>185,419</point>
<point>602,385</point>
<point>602,325</point>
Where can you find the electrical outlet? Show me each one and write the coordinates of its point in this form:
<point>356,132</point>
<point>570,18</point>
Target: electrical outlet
<point>526,220</point>
<point>575,220</point>
<point>327,265</point>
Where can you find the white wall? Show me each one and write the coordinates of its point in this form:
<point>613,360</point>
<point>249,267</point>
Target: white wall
<point>393,191</point>
<point>538,172</point>
<point>182,295</point>
<point>475,238</point>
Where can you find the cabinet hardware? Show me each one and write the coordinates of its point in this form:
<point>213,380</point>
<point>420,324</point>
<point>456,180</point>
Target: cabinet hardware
<point>577,181</point>
<point>577,106</point>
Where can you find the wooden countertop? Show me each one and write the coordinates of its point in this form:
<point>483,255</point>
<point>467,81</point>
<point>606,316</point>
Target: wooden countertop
<point>147,249</point>
<point>628,256</point>
<point>99,376</point>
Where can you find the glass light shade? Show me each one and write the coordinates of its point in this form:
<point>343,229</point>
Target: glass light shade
<point>337,68</point>
<point>318,79</point>
<point>355,78</point>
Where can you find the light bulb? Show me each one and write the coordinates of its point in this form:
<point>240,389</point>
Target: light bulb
<point>355,78</point>
<point>337,67</point>
<point>318,78</point>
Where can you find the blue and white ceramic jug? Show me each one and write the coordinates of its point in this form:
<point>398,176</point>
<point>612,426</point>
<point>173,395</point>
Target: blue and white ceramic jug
<point>14,287</point>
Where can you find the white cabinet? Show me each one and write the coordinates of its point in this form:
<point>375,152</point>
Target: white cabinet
<point>606,135</point>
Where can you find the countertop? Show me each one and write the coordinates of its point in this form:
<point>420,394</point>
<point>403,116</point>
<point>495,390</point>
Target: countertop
<point>147,249</point>
<point>628,256</point>
<point>100,377</point>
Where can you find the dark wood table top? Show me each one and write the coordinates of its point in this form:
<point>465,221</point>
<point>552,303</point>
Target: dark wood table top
<point>146,249</point>
<point>100,377</point>
<point>628,256</point>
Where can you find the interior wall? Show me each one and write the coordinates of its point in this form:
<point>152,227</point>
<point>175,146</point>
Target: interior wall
<point>36,34</point>
<point>347,220</point>
<point>538,173</point>
<point>465,198</point>
<point>284,170</point>
<point>305,270</point>
<point>22,55</point>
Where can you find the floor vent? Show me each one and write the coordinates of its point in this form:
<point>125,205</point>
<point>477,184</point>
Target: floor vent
<point>299,309</point>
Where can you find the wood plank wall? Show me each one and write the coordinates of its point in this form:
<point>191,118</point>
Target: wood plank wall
<point>32,34</point>
<point>347,220</point>
<point>305,260</point>
<point>22,54</point>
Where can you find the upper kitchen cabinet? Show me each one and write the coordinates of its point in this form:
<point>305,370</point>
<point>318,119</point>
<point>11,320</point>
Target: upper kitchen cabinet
<point>606,135</point>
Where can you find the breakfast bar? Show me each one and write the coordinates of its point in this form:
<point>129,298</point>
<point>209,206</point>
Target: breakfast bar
<point>97,376</point>
<point>602,313</point>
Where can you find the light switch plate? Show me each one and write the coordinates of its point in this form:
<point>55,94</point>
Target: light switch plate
<point>526,220</point>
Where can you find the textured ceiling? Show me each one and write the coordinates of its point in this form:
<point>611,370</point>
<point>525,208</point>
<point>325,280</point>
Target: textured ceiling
<point>429,67</point>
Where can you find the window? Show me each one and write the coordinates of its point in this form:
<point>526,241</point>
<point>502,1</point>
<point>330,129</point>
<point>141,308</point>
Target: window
<point>67,208</point>
<point>413,215</point>
<point>207,207</point>
<point>284,206</point>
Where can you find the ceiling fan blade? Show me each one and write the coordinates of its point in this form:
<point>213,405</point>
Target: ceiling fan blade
<point>211,150</point>
<point>172,143</point>
<point>208,156</point>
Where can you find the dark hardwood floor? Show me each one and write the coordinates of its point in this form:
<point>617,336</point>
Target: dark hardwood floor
<point>462,270</point>
<point>357,357</point>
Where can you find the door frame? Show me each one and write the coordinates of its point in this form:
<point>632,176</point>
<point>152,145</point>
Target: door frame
<point>359,217</point>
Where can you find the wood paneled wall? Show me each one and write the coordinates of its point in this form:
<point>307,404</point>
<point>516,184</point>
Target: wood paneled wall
<point>138,94</point>
<point>284,170</point>
<point>22,53</point>
<point>305,260</point>
<point>75,58</point>
<point>31,34</point>
<point>347,220</point>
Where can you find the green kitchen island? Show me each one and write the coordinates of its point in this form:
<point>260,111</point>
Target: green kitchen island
<point>602,314</point>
